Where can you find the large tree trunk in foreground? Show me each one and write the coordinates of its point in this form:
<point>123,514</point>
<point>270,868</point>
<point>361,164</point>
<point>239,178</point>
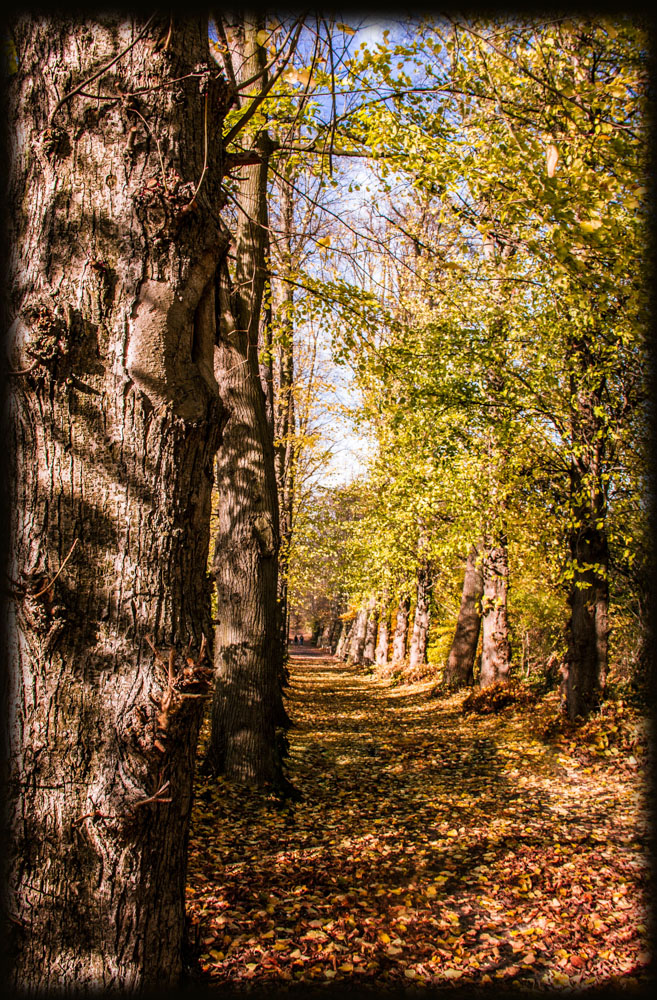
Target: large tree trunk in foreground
<point>495,646</point>
<point>248,707</point>
<point>460,661</point>
<point>418,650</point>
<point>114,420</point>
<point>401,629</point>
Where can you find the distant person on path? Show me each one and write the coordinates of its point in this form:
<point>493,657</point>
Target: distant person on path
<point>295,640</point>
<point>301,640</point>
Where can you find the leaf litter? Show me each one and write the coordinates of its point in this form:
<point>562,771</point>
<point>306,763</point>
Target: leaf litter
<point>431,847</point>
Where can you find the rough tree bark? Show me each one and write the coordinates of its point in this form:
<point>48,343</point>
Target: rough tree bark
<point>113,421</point>
<point>247,706</point>
<point>459,669</point>
<point>495,645</point>
<point>401,629</point>
<point>418,649</point>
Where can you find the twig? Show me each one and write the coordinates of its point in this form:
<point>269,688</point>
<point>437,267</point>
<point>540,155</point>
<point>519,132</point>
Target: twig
<point>49,585</point>
<point>23,371</point>
<point>259,98</point>
<point>158,655</point>
<point>96,814</point>
<point>85,83</point>
<point>154,798</point>
<point>157,143</point>
<point>205,154</point>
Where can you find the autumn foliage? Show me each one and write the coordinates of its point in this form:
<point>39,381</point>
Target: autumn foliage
<point>429,847</point>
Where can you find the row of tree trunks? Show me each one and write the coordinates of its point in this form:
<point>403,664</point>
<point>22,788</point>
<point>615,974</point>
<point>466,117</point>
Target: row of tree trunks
<point>483,607</point>
<point>113,420</point>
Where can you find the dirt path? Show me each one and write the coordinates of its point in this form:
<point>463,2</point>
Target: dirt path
<point>428,847</point>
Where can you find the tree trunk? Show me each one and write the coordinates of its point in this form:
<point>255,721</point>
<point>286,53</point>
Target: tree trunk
<point>381,652</point>
<point>284,415</point>
<point>347,645</point>
<point>247,707</point>
<point>113,421</point>
<point>460,661</point>
<point>324,635</point>
<point>343,641</point>
<point>496,650</point>
<point>357,640</point>
<point>418,650</point>
<point>371,629</point>
<point>585,669</point>
<point>401,629</point>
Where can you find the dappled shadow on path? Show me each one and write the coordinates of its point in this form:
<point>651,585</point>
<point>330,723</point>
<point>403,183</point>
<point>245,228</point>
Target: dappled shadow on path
<point>428,849</point>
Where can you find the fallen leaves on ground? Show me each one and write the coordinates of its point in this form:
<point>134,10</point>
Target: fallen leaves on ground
<point>429,847</point>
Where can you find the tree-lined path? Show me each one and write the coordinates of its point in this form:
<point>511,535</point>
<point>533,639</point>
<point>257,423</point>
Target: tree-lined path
<point>429,846</point>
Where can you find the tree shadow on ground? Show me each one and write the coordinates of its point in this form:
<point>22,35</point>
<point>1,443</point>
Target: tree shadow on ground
<point>429,850</point>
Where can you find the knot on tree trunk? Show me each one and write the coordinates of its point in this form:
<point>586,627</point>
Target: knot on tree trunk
<point>263,528</point>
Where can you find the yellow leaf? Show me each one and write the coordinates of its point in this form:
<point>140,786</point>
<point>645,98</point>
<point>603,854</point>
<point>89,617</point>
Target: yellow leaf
<point>346,967</point>
<point>345,27</point>
<point>11,58</point>
<point>385,938</point>
<point>262,37</point>
<point>325,241</point>
<point>431,891</point>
